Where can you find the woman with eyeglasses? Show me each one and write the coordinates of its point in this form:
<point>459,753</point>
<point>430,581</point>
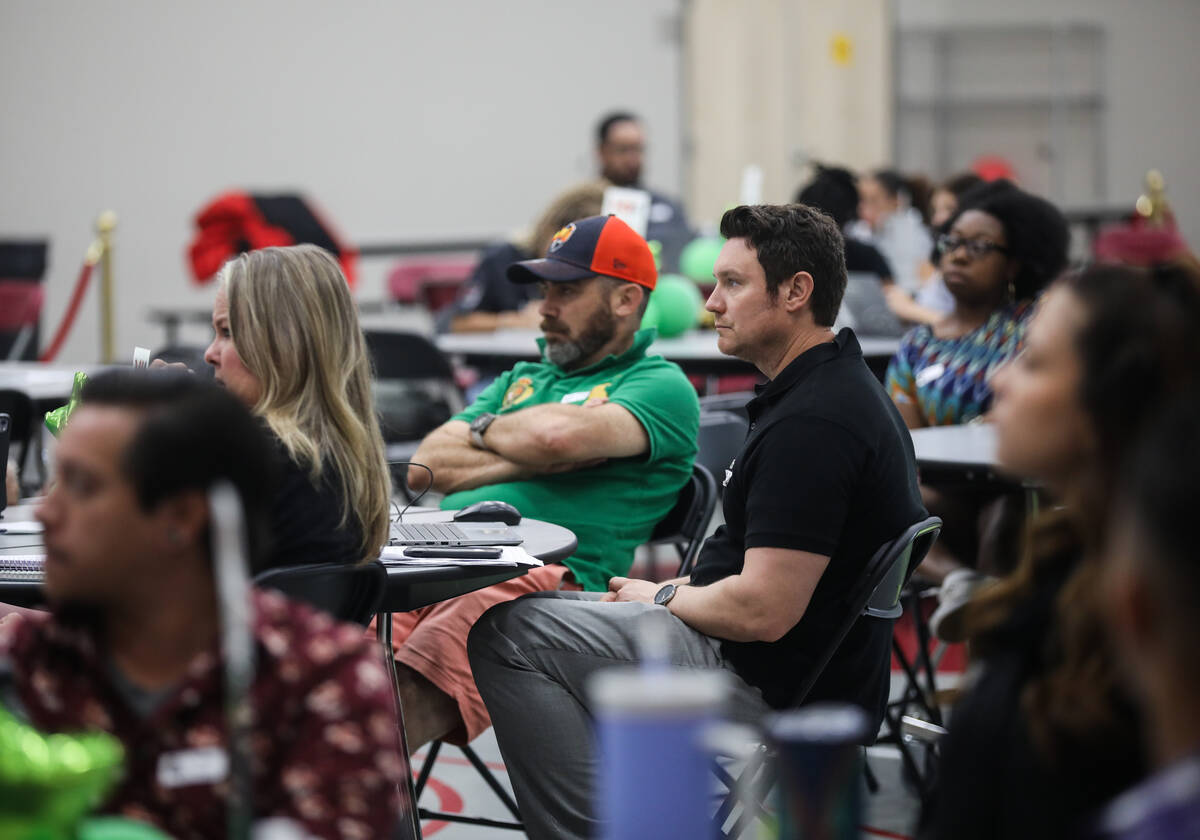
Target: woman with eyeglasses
<point>996,254</point>
<point>1000,249</point>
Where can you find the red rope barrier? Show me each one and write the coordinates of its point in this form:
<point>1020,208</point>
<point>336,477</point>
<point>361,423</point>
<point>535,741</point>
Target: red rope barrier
<point>879,832</point>
<point>60,336</point>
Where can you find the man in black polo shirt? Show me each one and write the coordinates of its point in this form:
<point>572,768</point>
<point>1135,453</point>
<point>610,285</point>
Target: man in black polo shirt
<point>825,477</point>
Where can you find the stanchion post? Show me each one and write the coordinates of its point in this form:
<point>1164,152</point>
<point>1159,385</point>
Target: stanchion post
<point>105,225</point>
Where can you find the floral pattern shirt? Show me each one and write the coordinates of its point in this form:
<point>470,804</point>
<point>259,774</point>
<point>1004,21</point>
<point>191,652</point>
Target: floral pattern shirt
<point>325,742</point>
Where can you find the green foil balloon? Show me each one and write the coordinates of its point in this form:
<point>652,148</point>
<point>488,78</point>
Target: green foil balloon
<point>49,782</point>
<point>698,257</point>
<point>56,420</point>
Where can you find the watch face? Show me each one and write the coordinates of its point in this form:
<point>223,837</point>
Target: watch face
<point>664,595</point>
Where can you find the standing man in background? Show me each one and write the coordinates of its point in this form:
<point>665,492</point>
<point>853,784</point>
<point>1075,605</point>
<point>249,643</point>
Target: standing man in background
<point>620,153</point>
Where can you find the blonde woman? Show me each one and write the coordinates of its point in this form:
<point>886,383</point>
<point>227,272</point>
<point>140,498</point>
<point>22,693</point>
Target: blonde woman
<point>288,344</point>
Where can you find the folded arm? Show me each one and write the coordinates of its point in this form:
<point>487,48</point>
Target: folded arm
<point>456,464</point>
<point>534,441</point>
<point>555,433</point>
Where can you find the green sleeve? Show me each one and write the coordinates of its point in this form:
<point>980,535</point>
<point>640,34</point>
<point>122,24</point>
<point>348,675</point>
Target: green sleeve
<point>489,399</point>
<point>665,403</point>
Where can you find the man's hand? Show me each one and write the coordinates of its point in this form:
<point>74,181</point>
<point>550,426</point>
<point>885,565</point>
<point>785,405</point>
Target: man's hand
<point>628,589</point>
<point>158,364</point>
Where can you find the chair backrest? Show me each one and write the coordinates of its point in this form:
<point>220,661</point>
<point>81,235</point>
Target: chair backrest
<point>720,438</point>
<point>685,523</point>
<point>405,278</point>
<point>22,430</point>
<point>734,401</point>
<point>348,593</point>
<point>877,592</point>
<point>414,387</point>
<point>403,355</point>
<point>902,556</point>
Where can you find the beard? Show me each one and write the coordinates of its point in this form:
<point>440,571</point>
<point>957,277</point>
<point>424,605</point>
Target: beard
<point>570,354</point>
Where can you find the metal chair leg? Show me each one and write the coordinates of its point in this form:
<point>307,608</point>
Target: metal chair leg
<point>410,826</point>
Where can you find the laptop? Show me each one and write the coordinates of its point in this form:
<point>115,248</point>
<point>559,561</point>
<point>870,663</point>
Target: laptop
<point>453,534</point>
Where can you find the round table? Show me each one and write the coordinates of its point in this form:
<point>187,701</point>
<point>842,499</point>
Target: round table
<point>409,587</point>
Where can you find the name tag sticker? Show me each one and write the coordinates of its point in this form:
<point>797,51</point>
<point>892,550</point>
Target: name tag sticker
<point>200,766</point>
<point>930,374</point>
<point>577,397</point>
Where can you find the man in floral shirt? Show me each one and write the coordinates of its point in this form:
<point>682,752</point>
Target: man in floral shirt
<point>131,646</point>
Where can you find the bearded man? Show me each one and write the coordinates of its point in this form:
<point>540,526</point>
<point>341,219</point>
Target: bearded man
<point>597,437</point>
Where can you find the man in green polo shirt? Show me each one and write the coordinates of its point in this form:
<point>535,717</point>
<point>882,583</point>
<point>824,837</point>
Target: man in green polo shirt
<point>597,437</point>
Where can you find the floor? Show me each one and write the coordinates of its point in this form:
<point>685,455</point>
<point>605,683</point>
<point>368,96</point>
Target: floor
<point>454,787</point>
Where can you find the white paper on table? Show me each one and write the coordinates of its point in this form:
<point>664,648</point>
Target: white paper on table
<point>29,526</point>
<point>510,555</point>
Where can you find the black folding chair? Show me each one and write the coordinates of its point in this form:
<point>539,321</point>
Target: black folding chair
<point>415,392</point>
<point>685,524</point>
<point>24,435</point>
<point>721,437</point>
<point>683,527</point>
<point>877,595</point>
<point>348,593</point>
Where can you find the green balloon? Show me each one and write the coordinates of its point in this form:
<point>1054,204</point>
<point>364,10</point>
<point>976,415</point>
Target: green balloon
<point>118,828</point>
<point>698,257</point>
<point>650,317</point>
<point>49,782</point>
<point>679,304</point>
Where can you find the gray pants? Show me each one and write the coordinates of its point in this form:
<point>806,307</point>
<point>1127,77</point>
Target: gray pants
<point>532,658</point>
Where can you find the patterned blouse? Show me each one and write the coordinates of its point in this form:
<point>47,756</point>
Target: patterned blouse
<point>949,379</point>
<point>325,740</point>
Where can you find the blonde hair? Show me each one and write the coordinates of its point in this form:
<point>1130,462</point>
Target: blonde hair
<point>572,204</point>
<point>296,329</point>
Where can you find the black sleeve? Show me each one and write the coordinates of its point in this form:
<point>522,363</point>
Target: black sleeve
<point>802,478</point>
<point>866,258</point>
<point>306,524</point>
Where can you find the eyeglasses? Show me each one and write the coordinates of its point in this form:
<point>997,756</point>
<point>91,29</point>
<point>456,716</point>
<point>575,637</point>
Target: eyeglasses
<point>976,248</point>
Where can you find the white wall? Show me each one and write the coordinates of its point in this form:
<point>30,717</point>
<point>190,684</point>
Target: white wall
<point>1152,76</point>
<point>404,120</point>
<point>408,120</point>
<point>765,88</point>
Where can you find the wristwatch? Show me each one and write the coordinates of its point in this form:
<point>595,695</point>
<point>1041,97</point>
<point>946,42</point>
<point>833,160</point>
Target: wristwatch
<point>663,596</point>
<point>478,426</point>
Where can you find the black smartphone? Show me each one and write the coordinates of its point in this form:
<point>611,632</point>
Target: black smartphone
<point>465,552</point>
<point>5,426</point>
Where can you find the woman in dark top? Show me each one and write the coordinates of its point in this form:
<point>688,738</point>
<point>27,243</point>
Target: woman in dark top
<point>288,344</point>
<point>1044,734</point>
<point>832,191</point>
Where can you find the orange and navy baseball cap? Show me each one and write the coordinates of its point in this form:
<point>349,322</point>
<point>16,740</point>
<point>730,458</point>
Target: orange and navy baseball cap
<point>595,245</point>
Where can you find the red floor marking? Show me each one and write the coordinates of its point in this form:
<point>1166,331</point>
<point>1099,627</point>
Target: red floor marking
<point>449,802</point>
<point>879,832</point>
<point>460,762</point>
